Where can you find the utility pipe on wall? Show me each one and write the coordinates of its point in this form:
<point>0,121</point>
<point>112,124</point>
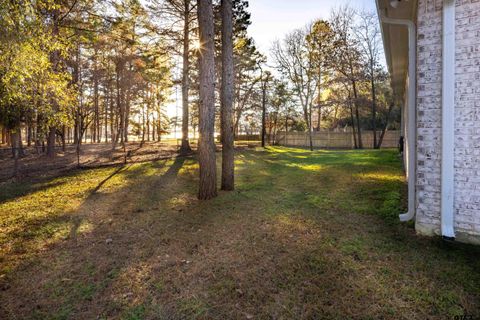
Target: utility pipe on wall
<point>448,120</point>
<point>411,114</point>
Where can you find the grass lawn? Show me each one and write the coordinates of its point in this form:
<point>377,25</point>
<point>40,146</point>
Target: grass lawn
<point>305,235</point>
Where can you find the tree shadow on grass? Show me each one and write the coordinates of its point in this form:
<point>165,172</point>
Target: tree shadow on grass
<point>11,190</point>
<point>272,248</point>
<point>91,216</point>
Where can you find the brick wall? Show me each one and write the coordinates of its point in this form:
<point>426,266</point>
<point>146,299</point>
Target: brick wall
<point>467,117</point>
<point>429,97</point>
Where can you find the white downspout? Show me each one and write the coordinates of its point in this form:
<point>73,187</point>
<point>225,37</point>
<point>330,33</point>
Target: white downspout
<point>411,114</point>
<point>448,119</point>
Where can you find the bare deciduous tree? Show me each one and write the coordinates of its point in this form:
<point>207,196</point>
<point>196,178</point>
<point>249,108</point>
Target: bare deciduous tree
<point>294,59</point>
<point>367,32</point>
<point>348,56</point>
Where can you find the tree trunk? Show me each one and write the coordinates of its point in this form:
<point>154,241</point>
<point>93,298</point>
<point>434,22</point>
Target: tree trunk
<point>154,128</point>
<point>275,130</point>
<point>185,147</point>
<point>20,143</point>
<point>15,149</point>
<point>206,144</point>
<point>353,125</point>
<point>75,131</point>
<point>4,135</point>
<point>143,125</point>
<point>29,135</point>
<point>357,115</point>
<point>55,59</point>
<point>264,111</point>
<point>374,114</point>
<point>119,115</point>
<point>319,120</point>
<point>228,153</point>
<point>112,117</point>
<point>51,142</point>
<point>310,133</point>
<point>105,114</point>
<point>384,129</point>
<point>148,123</point>
<point>126,117</point>
<point>64,133</point>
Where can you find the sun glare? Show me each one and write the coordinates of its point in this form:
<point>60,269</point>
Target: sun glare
<point>197,45</point>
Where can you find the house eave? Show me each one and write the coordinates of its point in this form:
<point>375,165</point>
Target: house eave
<point>395,41</point>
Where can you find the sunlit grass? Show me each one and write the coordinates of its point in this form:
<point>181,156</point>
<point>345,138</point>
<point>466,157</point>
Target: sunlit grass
<point>304,235</point>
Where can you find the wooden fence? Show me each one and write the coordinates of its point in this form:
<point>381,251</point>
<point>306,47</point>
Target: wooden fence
<point>335,140</point>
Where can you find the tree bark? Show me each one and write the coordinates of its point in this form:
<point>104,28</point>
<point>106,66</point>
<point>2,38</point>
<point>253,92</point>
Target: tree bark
<point>264,111</point>
<point>51,142</point>
<point>64,133</point>
<point>29,135</point>
<point>310,133</point>
<point>126,116</point>
<point>55,59</point>
<point>319,120</point>
<point>357,115</point>
<point>118,131</point>
<point>228,153</point>
<point>384,129</point>
<point>106,104</point>
<point>143,126</point>
<point>374,113</point>
<point>206,144</point>
<point>353,125</point>
<point>96,122</point>
<point>16,149</point>
<point>185,147</point>
<point>4,135</point>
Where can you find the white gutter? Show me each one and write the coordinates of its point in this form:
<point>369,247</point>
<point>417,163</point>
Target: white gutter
<point>411,137</point>
<point>448,119</point>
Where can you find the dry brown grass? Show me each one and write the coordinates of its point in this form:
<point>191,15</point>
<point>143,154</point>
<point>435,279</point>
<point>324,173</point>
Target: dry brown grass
<point>304,236</point>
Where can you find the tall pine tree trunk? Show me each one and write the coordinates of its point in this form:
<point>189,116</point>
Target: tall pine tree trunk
<point>55,60</point>
<point>126,117</point>
<point>228,156</point>
<point>206,144</point>
<point>185,147</point>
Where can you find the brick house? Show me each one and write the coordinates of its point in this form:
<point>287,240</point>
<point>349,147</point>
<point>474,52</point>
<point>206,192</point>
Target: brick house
<point>432,49</point>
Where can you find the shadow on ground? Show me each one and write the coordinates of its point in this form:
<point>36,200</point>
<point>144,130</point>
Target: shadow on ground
<point>304,235</point>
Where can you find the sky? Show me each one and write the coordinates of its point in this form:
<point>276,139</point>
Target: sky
<point>272,19</point>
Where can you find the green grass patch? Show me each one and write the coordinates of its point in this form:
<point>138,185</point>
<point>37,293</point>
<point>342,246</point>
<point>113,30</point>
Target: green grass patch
<point>304,235</point>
